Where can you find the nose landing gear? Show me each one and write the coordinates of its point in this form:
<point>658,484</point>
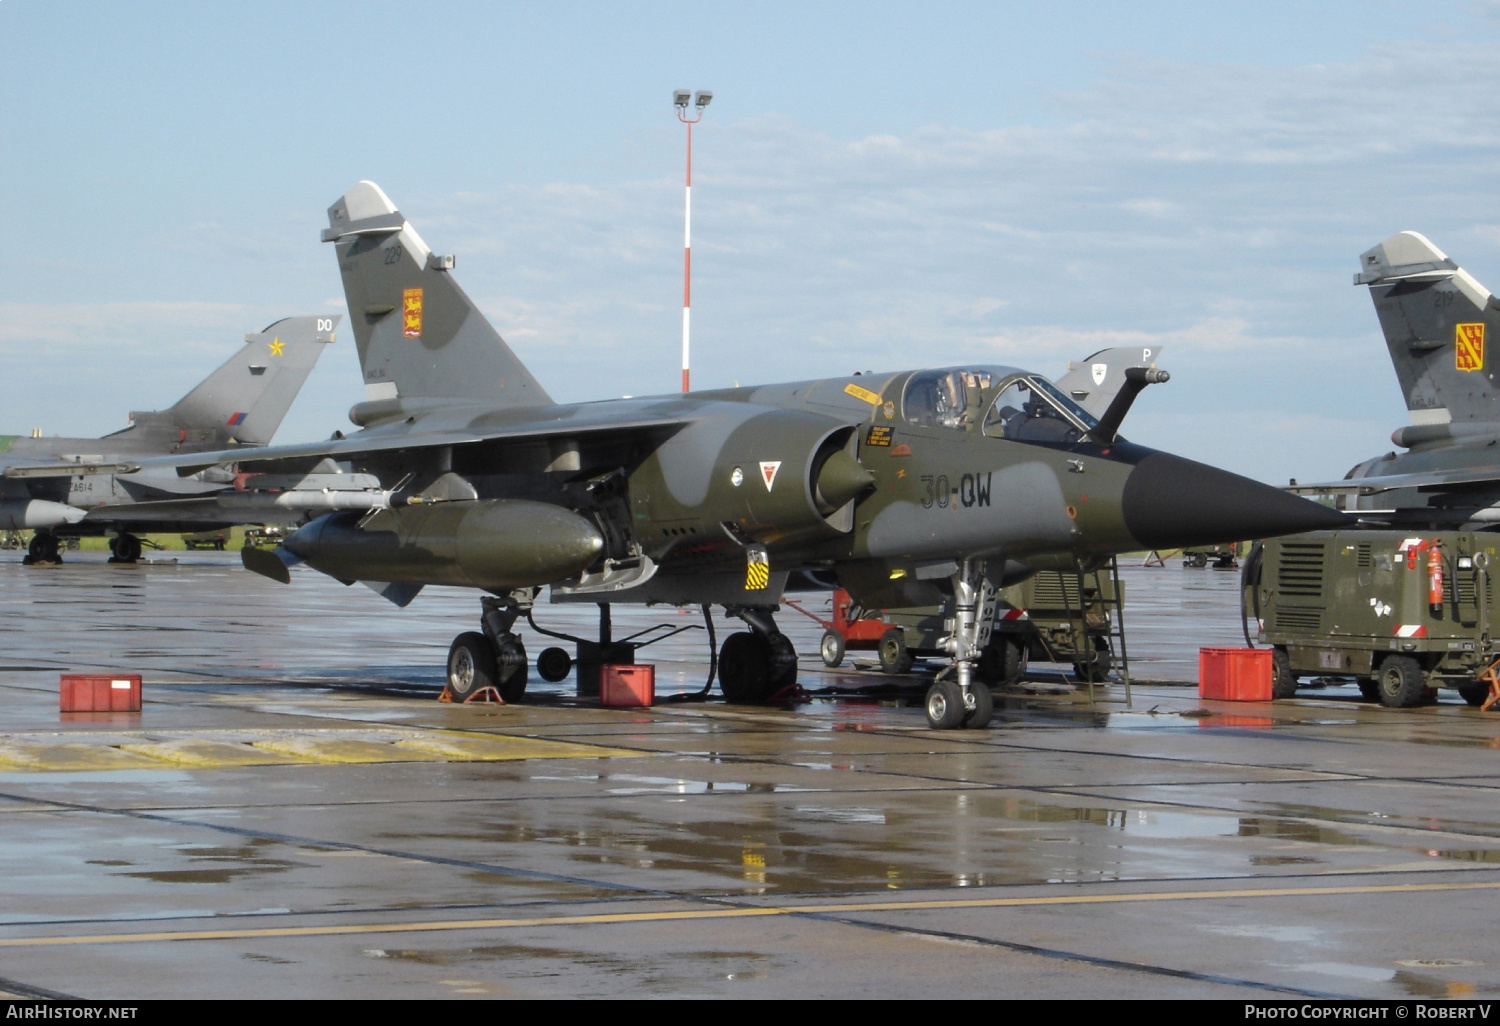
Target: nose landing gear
<point>966,700</point>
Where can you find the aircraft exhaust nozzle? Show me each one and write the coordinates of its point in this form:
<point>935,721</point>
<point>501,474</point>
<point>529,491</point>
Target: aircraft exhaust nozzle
<point>493,543</point>
<point>1170,502</point>
<point>36,514</point>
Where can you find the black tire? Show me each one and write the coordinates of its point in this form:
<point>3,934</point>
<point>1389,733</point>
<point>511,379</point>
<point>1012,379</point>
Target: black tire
<point>783,663</point>
<point>554,664</point>
<point>894,658</point>
<point>126,548</point>
<point>979,717</point>
<point>945,706</point>
<point>511,669</point>
<point>1283,682</point>
<point>1369,689</point>
<point>1401,684</point>
<point>1474,694</point>
<point>471,665</point>
<point>1099,665</point>
<point>37,549</point>
<point>745,668</point>
<point>831,648</point>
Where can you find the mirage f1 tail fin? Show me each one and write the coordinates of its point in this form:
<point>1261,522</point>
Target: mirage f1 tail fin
<point>244,401</point>
<point>1439,325</point>
<point>420,337</point>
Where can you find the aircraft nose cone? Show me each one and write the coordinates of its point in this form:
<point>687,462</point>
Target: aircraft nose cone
<point>1170,502</point>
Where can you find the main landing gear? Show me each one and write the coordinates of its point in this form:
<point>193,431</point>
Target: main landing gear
<point>43,550</point>
<point>757,664</point>
<point>965,701</point>
<point>493,657</point>
<point>124,548</point>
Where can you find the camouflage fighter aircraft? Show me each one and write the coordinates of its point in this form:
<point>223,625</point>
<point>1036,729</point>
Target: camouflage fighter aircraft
<point>62,487</point>
<point>904,486</point>
<point>1437,321</point>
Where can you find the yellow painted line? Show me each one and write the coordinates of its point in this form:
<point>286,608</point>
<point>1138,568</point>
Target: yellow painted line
<point>70,757</point>
<point>824,908</point>
<point>340,750</point>
<point>501,747</point>
<point>202,754</point>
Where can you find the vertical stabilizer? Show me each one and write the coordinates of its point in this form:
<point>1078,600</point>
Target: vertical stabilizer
<point>1440,326</point>
<point>419,336</point>
<point>1094,382</point>
<point>244,401</point>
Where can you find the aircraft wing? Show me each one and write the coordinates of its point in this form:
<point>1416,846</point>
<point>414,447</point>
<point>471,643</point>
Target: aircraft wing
<point>1422,479</point>
<point>571,422</point>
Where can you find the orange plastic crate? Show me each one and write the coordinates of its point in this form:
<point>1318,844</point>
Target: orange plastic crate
<point>627,687</point>
<point>99,692</point>
<point>1234,674</point>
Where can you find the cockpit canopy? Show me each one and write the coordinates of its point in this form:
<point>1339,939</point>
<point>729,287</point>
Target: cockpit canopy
<point>1018,407</point>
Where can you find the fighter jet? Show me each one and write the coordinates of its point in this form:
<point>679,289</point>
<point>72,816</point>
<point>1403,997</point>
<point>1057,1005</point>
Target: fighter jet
<point>905,486</point>
<point>1437,320</point>
<point>63,487</point>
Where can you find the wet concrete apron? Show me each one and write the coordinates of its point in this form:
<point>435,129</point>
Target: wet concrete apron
<point>292,814</point>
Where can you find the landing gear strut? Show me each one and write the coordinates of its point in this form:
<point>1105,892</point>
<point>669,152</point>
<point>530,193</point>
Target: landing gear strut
<point>965,701</point>
<point>754,665</point>
<point>42,550</point>
<point>493,658</point>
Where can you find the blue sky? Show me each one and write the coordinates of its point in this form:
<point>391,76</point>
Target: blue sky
<point>876,186</point>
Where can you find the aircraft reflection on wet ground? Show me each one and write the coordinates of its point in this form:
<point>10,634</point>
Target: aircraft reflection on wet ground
<point>291,798</point>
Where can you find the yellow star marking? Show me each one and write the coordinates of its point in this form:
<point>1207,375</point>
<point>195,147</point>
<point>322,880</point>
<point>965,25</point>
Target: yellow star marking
<point>277,346</point>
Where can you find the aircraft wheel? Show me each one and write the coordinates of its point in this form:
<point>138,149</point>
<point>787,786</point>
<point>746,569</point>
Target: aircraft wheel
<point>1098,665</point>
<point>831,648</point>
<point>554,664</point>
<point>745,668</point>
<point>43,549</point>
<point>984,706</point>
<point>1369,689</point>
<point>471,665</point>
<point>1474,694</point>
<point>126,548</point>
<point>945,706</point>
<point>1283,683</point>
<point>511,669</point>
<point>1401,684</point>
<point>783,663</point>
<point>894,658</point>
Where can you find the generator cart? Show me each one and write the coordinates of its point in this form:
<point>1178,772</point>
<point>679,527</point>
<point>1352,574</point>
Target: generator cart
<point>1402,614</point>
<point>1050,617</point>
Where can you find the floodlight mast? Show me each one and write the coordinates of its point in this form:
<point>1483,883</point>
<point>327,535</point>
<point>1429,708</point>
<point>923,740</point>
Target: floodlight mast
<point>680,100</point>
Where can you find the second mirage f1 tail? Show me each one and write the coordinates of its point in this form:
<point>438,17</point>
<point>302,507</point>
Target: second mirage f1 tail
<point>1439,324</point>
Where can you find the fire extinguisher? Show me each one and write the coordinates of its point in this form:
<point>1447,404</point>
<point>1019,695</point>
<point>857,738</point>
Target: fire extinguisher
<point>1435,578</point>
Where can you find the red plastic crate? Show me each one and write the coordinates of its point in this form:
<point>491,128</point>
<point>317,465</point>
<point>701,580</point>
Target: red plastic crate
<point>1234,674</point>
<point>627,687</point>
<point>99,692</point>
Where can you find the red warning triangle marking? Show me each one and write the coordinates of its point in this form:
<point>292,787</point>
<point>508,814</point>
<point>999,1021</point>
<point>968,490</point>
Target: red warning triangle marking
<point>768,471</point>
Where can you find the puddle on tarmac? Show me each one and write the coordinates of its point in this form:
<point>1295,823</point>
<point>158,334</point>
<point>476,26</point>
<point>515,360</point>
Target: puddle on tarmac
<point>679,970</point>
<point>213,864</point>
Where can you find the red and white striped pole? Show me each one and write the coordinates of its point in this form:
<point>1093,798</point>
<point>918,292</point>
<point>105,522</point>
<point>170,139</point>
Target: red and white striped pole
<point>680,99</point>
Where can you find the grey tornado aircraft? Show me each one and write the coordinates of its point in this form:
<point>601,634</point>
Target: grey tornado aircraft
<point>62,487</point>
<point>1438,322</point>
<point>906,487</point>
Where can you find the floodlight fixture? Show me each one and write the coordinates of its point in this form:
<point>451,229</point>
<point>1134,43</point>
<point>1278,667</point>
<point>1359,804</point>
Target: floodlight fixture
<point>704,97</point>
<point>681,97</point>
